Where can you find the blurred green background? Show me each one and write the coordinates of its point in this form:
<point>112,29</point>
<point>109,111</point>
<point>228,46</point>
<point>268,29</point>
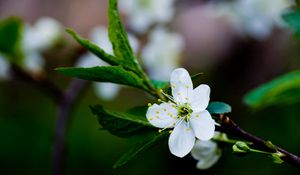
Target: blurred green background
<point>27,116</point>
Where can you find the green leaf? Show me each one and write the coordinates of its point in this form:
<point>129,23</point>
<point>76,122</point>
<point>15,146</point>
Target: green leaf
<point>218,108</point>
<point>282,90</point>
<point>121,124</point>
<point>113,74</point>
<point>110,59</point>
<point>118,37</point>
<point>148,140</point>
<point>292,18</point>
<point>11,30</point>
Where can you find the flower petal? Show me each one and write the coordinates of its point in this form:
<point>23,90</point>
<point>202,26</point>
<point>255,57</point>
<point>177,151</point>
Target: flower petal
<point>182,86</point>
<point>203,125</point>
<point>207,152</point>
<point>208,163</point>
<point>203,149</point>
<point>181,140</point>
<point>200,98</point>
<point>162,116</point>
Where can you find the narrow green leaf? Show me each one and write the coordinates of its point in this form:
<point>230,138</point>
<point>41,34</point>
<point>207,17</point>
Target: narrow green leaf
<point>149,140</point>
<point>218,108</point>
<point>11,31</point>
<point>121,124</point>
<point>118,37</point>
<point>113,74</point>
<point>110,59</point>
<point>282,90</point>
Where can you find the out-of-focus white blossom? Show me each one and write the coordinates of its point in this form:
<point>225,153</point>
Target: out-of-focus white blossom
<point>4,68</point>
<point>162,53</point>
<point>259,17</point>
<point>37,38</point>
<point>33,62</point>
<point>107,91</point>
<point>99,36</point>
<point>143,13</point>
<point>255,18</point>
<point>42,35</point>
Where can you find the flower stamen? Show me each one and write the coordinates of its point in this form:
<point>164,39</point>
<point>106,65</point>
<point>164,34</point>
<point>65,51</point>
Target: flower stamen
<point>168,96</point>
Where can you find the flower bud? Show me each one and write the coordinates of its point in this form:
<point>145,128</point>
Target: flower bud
<point>240,147</point>
<point>276,157</point>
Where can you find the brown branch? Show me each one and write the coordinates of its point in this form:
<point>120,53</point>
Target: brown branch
<point>63,117</point>
<point>231,128</point>
<point>41,83</point>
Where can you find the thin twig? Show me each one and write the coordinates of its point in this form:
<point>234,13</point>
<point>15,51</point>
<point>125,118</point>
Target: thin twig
<point>230,127</point>
<point>63,118</point>
<point>42,83</point>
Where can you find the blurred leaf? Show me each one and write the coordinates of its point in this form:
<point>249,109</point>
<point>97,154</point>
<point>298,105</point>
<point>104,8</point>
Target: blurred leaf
<point>118,37</point>
<point>218,108</point>
<point>282,90</point>
<point>160,84</point>
<point>148,140</point>
<point>11,31</point>
<point>121,124</point>
<point>110,59</point>
<point>292,18</point>
<point>113,74</point>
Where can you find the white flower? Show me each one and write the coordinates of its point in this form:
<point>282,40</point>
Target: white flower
<point>186,113</point>
<point>143,13</point>
<point>162,53</point>
<point>4,68</point>
<point>207,153</point>
<point>99,36</point>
